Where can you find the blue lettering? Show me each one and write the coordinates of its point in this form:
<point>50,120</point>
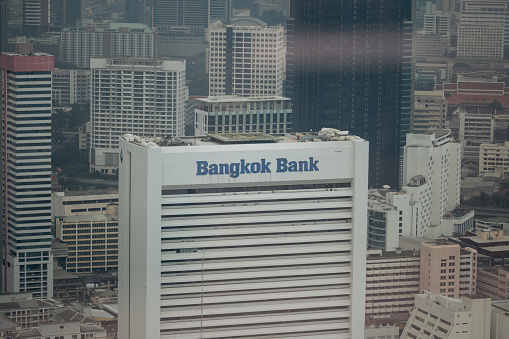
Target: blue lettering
<point>281,165</point>
<point>303,166</point>
<point>292,166</point>
<point>265,167</point>
<point>224,169</point>
<point>201,168</point>
<point>244,167</point>
<point>234,170</point>
<point>255,167</point>
<point>312,165</point>
<point>213,169</point>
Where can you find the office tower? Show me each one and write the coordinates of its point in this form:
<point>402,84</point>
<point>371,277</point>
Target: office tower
<point>66,12</point>
<point>191,13</point>
<point>349,66</point>
<point>135,11</point>
<point>436,159</point>
<point>36,17</point>
<point>242,235</point>
<point>435,316</point>
<point>246,58</point>
<point>234,114</point>
<point>4,15</point>
<point>482,28</point>
<point>71,86</point>
<point>26,157</point>
<point>79,44</point>
<point>142,96</point>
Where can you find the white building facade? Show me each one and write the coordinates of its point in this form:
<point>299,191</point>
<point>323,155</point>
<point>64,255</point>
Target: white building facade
<point>71,86</point>
<point>435,316</point>
<point>142,96</point>
<point>231,238</point>
<point>482,28</point>
<point>434,160</point>
<point>79,44</point>
<point>26,165</point>
<point>246,58</point>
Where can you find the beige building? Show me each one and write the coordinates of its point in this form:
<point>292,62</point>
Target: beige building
<point>481,29</point>
<point>86,202</point>
<point>430,111</point>
<point>448,270</point>
<point>392,280</point>
<point>493,283</point>
<point>494,159</point>
<point>92,241</point>
<point>474,130</point>
<point>438,317</point>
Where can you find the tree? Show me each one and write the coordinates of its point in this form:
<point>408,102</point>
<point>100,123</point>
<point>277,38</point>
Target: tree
<point>495,104</point>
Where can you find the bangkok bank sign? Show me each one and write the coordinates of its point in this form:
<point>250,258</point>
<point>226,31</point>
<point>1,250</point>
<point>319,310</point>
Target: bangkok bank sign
<point>235,169</point>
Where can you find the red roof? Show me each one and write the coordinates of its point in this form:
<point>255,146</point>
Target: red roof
<point>498,86</point>
<point>477,99</point>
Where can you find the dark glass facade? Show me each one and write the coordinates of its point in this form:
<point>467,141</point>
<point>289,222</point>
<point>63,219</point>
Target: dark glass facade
<point>349,66</point>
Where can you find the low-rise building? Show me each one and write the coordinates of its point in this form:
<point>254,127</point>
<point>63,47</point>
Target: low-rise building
<point>493,283</point>
<point>29,313</point>
<point>494,159</point>
<point>61,330</point>
<point>493,245</point>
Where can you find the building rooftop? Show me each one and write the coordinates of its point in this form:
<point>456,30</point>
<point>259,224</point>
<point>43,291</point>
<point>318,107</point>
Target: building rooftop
<point>394,254</point>
<point>236,98</point>
<point>326,134</point>
<point>28,304</point>
<point>89,192</point>
<point>94,217</point>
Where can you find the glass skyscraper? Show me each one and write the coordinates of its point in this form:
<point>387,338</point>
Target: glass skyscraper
<point>349,66</point>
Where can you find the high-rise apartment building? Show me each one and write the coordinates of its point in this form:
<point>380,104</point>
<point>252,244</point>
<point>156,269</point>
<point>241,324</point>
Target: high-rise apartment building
<point>242,235</point>
<point>191,13</point>
<point>482,28</point>
<point>129,95</point>
<point>26,165</point>
<point>79,44</point>
<point>350,66</point>
<point>246,58</point>
<point>71,86</point>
